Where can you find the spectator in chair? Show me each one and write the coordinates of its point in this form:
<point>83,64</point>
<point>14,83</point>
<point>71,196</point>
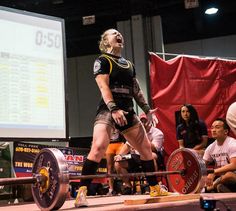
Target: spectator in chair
<point>191,132</point>
<point>223,152</point>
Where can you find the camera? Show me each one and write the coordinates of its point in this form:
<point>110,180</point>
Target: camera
<point>207,204</point>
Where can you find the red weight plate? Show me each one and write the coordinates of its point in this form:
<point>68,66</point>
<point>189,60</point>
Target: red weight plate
<point>195,172</point>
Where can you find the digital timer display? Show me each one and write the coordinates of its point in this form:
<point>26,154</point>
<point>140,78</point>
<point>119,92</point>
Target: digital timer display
<point>48,39</point>
<point>32,70</point>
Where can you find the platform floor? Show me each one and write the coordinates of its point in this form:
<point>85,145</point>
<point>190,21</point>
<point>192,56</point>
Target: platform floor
<point>117,203</point>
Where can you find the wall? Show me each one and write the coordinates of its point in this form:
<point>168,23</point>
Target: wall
<point>83,95</point>
<point>215,47</point>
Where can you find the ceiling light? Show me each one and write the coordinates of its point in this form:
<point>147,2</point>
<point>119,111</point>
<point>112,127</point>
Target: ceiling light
<point>211,11</point>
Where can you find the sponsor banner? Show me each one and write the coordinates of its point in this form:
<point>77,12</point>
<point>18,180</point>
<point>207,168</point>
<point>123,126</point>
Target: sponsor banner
<point>25,153</point>
<point>5,166</point>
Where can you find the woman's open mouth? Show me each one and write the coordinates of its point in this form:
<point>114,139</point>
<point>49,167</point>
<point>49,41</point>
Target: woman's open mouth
<point>119,39</point>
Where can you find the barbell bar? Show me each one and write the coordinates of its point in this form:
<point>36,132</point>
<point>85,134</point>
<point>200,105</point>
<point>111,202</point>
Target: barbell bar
<point>186,173</point>
<point>39,178</point>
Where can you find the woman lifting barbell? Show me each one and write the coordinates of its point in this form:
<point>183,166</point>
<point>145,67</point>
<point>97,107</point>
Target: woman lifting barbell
<point>116,79</point>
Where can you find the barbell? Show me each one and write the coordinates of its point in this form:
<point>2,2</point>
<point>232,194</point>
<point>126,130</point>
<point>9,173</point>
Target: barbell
<point>186,173</point>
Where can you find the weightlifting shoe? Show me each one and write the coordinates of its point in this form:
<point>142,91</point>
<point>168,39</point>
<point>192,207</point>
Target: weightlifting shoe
<point>81,200</point>
<point>158,190</point>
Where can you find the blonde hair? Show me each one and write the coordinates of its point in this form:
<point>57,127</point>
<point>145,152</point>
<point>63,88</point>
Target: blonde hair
<point>102,43</point>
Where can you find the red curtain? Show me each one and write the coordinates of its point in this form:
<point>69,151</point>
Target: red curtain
<point>208,84</point>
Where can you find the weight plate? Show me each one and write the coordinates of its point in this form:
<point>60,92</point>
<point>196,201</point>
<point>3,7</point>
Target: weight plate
<point>194,177</point>
<point>55,195</point>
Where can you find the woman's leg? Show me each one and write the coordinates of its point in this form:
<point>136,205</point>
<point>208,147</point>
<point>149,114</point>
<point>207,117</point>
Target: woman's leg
<point>101,138</point>
<point>137,137</point>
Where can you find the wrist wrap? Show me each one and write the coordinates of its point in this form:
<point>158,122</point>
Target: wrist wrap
<point>112,106</point>
<point>146,108</point>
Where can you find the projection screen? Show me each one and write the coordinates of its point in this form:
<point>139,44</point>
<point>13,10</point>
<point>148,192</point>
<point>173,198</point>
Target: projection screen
<point>32,76</point>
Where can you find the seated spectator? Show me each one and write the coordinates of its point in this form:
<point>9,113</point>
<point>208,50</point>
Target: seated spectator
<point>223,152</point>
<point>156,137</point>
<point>191,132</point>
<point>128,159</point>
<point>116,143</point>
<point>231,117</point>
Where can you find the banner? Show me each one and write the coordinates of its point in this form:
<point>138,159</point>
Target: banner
<point>5,166</point>
<point>208,84</point>
<point>24,155</point>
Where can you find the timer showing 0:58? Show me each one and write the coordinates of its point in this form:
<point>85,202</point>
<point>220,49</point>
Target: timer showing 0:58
<point>49,39</point>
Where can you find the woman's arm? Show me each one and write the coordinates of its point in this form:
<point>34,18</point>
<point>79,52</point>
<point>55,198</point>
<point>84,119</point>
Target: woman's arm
<point>203,144</point>
<point>142,103</point>
<point>103,85</point>
<point>139,97</point>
